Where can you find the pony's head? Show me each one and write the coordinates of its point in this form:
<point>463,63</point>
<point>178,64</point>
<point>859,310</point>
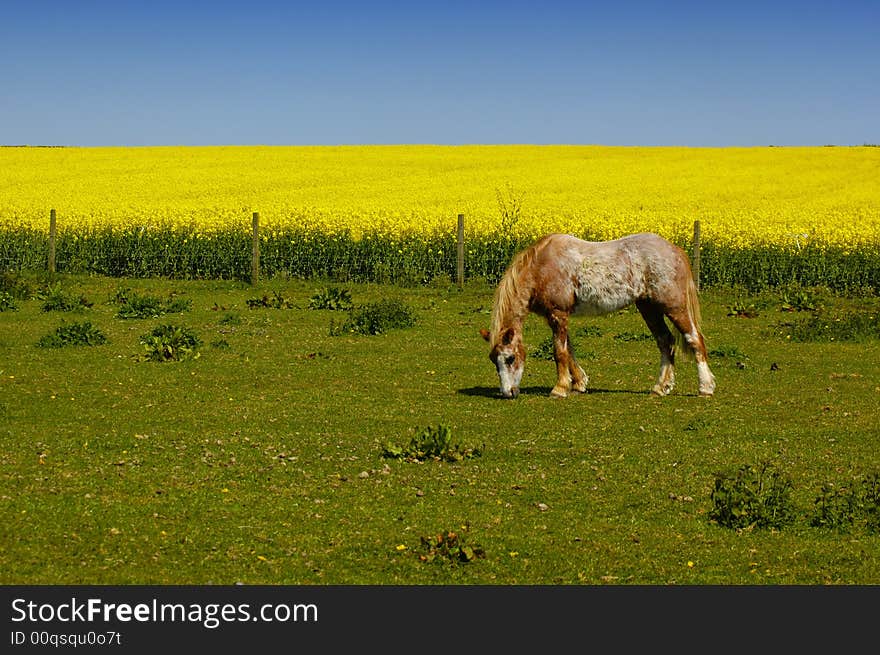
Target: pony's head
<point>508,354</point>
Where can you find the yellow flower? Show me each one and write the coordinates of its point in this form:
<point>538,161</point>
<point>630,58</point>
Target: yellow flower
<point>795,198</point>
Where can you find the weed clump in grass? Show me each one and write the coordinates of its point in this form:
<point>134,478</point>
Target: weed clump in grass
<point>134,305</point>
<point>56,299</point>
<point>170,343</point>
<point>841,326</point>
<point>449,546</point>
<point>728,351</point>
<point>754,496</point>
<point>544,350</point>
<point>431,443</point>
<point>632,336</point>
<point>276,301</point>
<point>741,309</point>
<point>843,507</point>
<point>588,331</point>
<point>796,298</point>
<point>73,334</point>
<point>376,318</point>
<point>332,298</point>
<point>14,286</point>
<point>7,302</point>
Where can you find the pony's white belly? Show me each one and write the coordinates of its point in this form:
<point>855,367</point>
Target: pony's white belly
<point>596,302</point>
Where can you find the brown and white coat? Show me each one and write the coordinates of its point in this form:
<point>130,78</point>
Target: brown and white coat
<point>561,275</point>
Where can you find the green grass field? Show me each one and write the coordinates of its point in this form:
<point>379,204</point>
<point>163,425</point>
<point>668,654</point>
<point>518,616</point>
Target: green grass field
<point>261,461</point>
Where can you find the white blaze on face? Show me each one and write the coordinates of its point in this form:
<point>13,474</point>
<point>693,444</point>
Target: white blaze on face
<point>509,372</point>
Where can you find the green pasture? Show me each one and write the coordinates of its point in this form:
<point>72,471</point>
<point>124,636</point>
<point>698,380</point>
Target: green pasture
<point>262,461</point>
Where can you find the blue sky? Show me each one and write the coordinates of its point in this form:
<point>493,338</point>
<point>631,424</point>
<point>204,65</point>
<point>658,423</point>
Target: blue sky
<point>744,73</point>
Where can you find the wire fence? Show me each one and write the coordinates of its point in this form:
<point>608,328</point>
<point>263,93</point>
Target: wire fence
<point>249,254</point>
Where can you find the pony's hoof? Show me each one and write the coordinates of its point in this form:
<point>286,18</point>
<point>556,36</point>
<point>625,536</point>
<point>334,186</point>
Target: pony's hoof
<point>558,393</point>
<point>660,391</point>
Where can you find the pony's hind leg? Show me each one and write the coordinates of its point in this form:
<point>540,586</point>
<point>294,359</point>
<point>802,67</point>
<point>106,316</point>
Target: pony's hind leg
<point>653,316</point>
<point>695,342</point>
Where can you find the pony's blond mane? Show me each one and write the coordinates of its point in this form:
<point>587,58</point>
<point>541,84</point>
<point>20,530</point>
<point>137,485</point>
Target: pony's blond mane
<point>512,295</point>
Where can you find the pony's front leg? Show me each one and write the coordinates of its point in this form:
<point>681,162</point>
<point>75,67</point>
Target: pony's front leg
<point>568,373</point>
<point>579,378</point>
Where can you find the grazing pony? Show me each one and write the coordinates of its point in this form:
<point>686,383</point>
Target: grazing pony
<point>560,275</point>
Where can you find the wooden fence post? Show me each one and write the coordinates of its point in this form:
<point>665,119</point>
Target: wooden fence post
<point>459,240</point>
<point>696,255</point>
<point>52,232</point>
<point>255,250</point>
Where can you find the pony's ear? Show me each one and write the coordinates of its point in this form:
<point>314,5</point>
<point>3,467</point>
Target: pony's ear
<point>508,336</point>
<point>484,333</point>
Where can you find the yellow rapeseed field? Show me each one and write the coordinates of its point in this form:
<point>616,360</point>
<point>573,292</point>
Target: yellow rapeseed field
<point>742,196</point>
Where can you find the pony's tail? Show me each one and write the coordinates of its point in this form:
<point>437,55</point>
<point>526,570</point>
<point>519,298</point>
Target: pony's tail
<point>692,301</point>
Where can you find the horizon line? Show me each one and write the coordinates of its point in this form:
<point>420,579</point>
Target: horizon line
<point>437,145</point>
